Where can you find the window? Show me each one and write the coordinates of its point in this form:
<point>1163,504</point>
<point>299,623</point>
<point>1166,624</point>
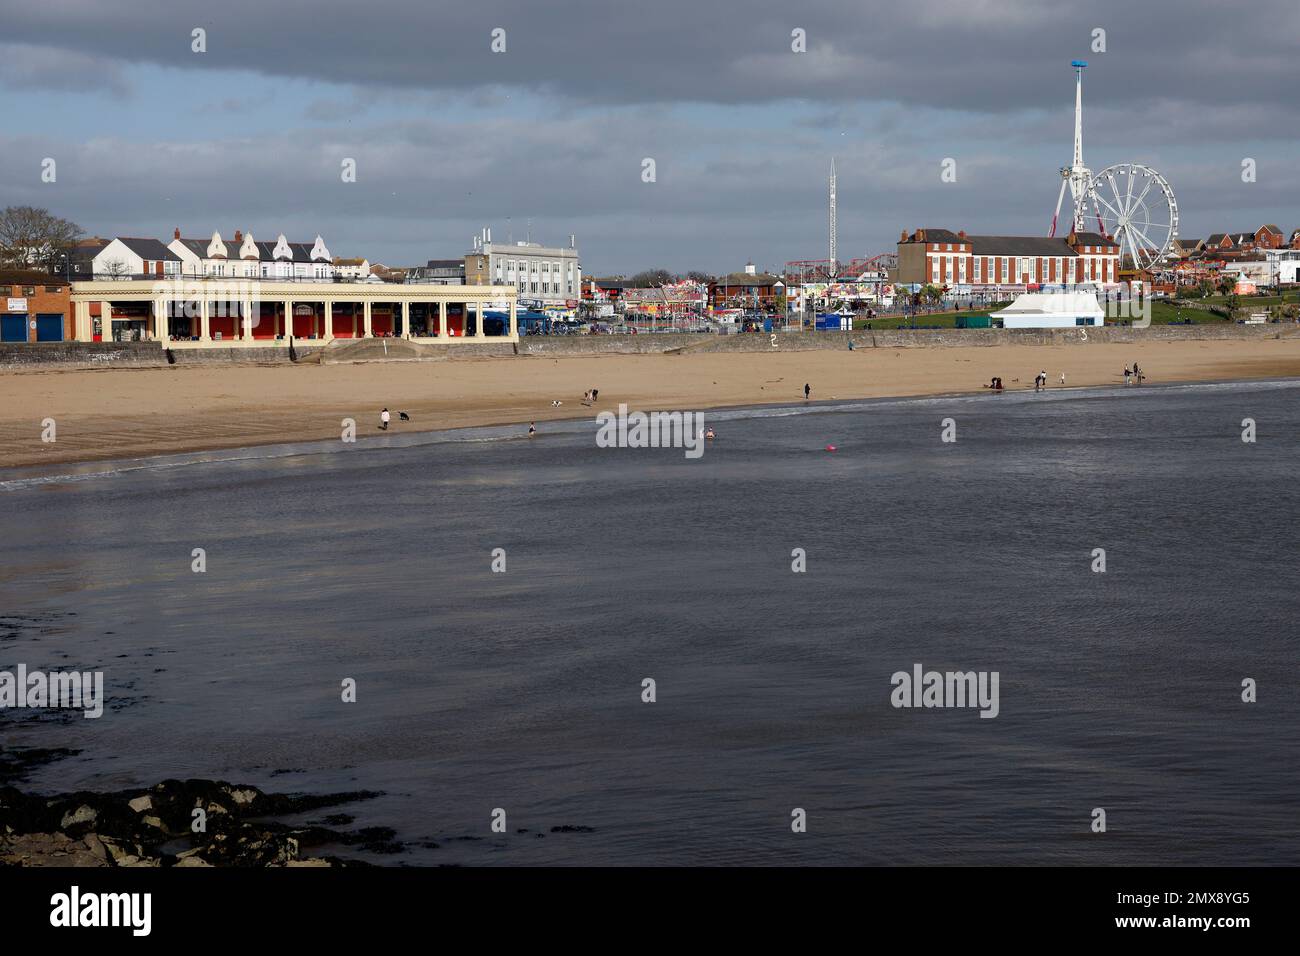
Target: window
<point>29,290</point>
<point>54,288</point>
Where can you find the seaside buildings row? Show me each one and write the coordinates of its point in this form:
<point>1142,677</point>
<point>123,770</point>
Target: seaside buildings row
<point>1264,256</point>
<point>238,291</point>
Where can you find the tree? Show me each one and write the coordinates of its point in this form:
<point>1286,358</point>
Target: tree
<point>652,278</point>
<point>34,237</point>
<point>702,277</point>
<point>1227,283</point>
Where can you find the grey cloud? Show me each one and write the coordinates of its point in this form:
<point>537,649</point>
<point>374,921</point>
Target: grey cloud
<point>604,85</point>
<point>994,57</point>
<point>53,68</point>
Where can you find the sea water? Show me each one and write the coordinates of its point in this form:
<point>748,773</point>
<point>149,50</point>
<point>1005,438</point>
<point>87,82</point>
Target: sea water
<point>524,690</point>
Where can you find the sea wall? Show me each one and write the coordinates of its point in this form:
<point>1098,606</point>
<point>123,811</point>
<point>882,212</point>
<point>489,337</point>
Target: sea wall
<point>17,356</point>
<point>897,338</point>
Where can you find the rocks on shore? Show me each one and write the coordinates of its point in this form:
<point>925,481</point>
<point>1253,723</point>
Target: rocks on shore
<point>158,828</point>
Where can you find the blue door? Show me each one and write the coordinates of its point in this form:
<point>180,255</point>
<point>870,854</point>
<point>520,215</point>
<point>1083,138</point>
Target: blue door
<point>13,328</point>
<point>49,328</point>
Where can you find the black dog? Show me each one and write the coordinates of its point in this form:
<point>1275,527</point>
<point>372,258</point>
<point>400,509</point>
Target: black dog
<point>403,416</point>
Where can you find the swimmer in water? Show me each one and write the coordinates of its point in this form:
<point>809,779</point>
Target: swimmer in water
<point>532,429</point>
<point>708,434</point>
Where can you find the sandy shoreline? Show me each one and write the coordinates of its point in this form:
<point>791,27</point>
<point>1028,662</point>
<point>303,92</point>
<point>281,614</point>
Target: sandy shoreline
<point>124,412</point>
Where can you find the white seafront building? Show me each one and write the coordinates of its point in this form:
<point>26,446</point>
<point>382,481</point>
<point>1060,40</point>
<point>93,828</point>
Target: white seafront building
<point>542,275</point>
<point>1052,310</point>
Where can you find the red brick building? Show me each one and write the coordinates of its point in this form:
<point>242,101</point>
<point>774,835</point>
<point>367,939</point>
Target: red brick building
<point>954,259</point>
<point>34,307</point>
<point>749,289</point>
<point>1238,244</point>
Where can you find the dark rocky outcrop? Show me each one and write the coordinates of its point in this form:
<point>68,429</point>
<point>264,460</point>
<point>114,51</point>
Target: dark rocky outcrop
<point>156,827</point>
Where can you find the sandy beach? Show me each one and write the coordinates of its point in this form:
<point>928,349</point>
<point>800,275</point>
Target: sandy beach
<point>128,413</point>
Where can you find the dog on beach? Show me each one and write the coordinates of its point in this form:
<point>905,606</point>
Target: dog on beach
<point>403,416</point>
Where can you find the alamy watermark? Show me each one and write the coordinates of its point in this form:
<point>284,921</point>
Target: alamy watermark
<point>78,690</point>
<point>923,688</point>
<point>226,298</point>
<point>74,908</point>
<point>651,430</point>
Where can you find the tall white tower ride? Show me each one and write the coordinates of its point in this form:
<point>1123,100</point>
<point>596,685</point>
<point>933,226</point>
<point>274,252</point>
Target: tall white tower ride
<point>834,263</point>
<point>1077,176</point>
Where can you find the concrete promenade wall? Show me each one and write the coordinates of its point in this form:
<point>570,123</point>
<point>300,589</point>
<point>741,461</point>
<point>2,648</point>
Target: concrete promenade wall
<point>17,356</point>
<point>901,338</point>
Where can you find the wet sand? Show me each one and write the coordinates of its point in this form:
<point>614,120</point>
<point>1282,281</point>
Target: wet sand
<point>128,413</point>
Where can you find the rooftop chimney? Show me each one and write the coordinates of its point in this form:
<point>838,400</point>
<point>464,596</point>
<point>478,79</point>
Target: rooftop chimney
<point>177,233</point>
<point>239,236</point>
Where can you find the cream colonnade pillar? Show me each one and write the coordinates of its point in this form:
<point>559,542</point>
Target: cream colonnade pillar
<point>246,320</point>
<point>106,321</point>
<point>161,327</point>
<point>443,333</point>
<point>83,328</point>
<point>406,318</point>
<point>288,320</point>
<point>514,321</point>
<point>329,321</point>
<point>205,326</point>
<point>369,328</point>
<point>478,319</point>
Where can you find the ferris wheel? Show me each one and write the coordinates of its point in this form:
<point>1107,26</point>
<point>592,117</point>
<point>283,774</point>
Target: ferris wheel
<point>1136,207</point>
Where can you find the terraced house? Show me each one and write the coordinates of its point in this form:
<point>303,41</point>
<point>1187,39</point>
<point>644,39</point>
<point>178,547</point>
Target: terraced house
<point>246,258</point>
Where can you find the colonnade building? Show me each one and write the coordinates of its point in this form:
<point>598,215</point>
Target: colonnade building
<point>195,312</point>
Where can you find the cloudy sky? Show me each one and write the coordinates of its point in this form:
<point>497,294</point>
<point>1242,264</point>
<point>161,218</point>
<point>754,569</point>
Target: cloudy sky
<point>449,136</point>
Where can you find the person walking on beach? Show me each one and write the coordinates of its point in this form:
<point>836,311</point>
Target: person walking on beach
<point>383,420</point>
<point>807,390</point>
<point>1062,378</point>
<point>532,429</point>
<point>1127,375</point>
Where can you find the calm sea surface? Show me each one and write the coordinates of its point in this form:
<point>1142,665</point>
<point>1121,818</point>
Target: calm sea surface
<point>522,690</point>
